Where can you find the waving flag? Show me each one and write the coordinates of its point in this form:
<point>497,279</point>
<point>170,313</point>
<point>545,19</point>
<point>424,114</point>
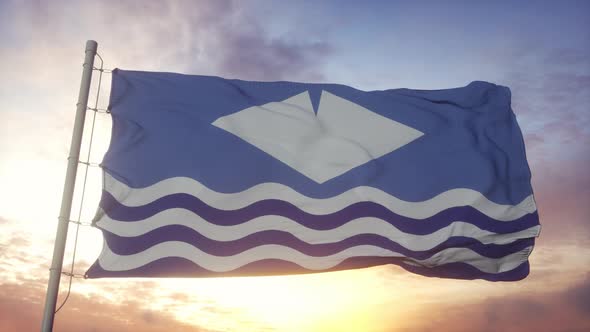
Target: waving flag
<point>208,176</point>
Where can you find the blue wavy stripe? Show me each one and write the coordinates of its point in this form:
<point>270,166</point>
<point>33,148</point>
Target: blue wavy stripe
<point>175,267</point>
<point>133,245</point>
<point>466,271</point>
<point>118,211</point>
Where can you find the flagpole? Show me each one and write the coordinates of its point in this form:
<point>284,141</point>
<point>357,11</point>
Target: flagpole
<point>68,192</point>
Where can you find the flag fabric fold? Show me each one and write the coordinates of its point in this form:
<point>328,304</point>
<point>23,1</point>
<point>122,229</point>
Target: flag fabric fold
<point>209,177</point>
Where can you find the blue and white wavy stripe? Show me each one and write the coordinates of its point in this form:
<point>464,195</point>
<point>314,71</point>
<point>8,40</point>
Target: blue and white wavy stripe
<point>273,225</point>
<point>271,251</point>
<point>232,201</point>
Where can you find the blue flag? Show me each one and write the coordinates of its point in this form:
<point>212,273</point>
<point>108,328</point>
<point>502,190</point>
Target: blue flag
<point>209,177</point>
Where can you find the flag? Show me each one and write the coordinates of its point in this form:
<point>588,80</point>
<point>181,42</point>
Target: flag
<point>207,177</point>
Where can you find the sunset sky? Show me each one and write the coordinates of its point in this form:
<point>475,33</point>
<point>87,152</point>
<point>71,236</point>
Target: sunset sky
<point>540,49</point>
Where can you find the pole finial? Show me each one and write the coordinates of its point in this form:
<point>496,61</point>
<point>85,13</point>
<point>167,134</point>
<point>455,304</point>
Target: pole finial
<point>91,45</point>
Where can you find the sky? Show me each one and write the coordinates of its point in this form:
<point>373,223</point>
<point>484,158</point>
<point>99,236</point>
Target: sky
<point>540,49</point>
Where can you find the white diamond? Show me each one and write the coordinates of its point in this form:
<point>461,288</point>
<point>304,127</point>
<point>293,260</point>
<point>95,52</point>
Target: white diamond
<point>343,135</point>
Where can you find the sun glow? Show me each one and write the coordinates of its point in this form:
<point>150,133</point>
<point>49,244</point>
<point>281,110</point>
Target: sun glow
<point>336,301</point>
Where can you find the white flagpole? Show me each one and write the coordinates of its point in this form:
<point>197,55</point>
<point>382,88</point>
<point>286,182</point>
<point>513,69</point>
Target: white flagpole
<point>68,192</point>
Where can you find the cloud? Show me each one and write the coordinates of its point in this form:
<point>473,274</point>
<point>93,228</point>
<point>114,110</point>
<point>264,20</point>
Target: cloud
<point>19,240</point>
<point>221,38</point>
<point>579,297</point>
<point>22,305</point>
<point>263,59</point>
<point>202,37</point>
<point>566,310</point>
<point>566,57</point>
<point>551,91</point>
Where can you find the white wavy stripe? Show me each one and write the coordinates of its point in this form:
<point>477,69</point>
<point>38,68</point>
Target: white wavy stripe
<point>366,225</point>
<point>110,261</point>
<point>231,201</point>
